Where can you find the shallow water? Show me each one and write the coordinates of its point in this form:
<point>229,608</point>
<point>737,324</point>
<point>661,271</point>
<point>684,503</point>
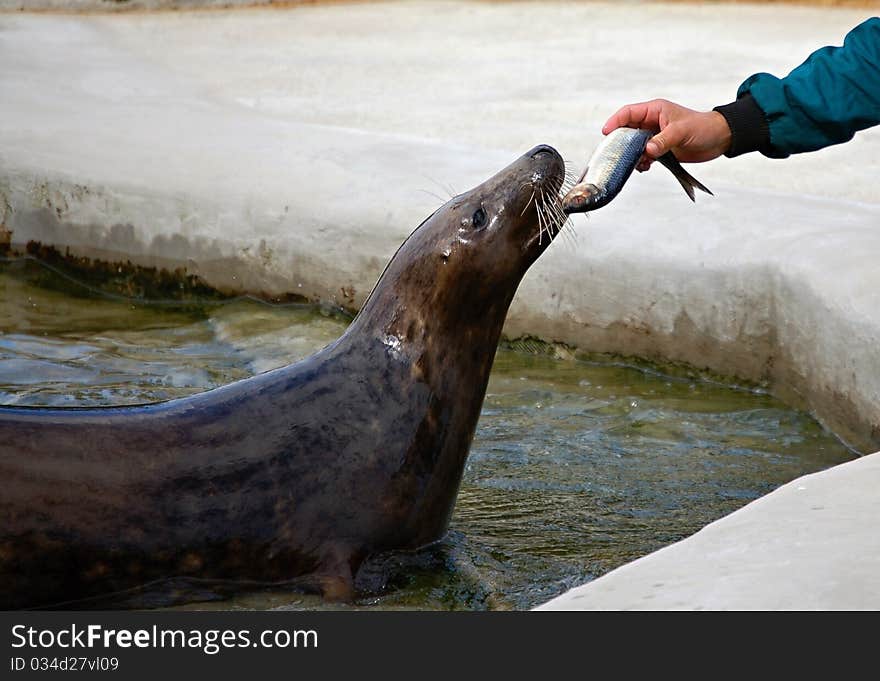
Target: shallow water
<point>576,467</point>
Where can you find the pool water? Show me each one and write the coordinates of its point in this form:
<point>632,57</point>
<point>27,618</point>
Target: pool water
<point>576,467</point>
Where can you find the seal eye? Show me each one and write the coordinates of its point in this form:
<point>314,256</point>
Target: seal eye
<point>479,219</point>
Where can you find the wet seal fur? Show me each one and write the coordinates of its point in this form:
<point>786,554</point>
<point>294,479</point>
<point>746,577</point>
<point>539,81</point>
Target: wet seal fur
<point>298,473</point>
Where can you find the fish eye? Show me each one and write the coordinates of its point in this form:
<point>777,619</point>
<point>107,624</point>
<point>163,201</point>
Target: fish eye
<point>479,219</point>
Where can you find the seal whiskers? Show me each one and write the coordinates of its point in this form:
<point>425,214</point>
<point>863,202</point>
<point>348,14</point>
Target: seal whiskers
<point>528,203</point>
<point>551,216</point>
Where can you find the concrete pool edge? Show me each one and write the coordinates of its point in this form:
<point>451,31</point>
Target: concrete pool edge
<point>807,545</point>
<point>743,285</point>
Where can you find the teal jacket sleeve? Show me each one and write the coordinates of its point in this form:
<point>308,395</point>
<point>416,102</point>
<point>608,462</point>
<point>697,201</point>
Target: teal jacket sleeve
<point>824,101</point>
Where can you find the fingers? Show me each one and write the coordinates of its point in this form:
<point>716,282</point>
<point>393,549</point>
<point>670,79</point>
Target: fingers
<point>641,115</point>
<point>670,137</point>
<point>655,147</point>
<point>630,116</point>
<point>693,136</point>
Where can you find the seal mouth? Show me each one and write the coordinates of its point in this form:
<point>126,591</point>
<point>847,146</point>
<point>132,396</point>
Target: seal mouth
<point>545,186</point>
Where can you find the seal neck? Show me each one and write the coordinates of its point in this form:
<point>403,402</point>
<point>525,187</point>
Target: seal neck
<point>431,322</point>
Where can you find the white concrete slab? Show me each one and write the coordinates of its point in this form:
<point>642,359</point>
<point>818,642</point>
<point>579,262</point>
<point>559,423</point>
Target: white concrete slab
<point>806,546</point>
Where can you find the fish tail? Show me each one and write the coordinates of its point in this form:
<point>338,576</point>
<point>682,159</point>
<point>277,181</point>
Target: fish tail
<point>687,181</point>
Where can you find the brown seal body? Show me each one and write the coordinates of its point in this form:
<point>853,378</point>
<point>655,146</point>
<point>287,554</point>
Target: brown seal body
<point>300,472</point>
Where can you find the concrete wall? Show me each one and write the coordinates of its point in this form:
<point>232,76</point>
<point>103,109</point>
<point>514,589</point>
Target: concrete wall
<point>89,6</point>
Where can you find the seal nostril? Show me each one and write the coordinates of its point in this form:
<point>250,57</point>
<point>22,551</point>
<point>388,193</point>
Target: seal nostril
<point>543,150</point>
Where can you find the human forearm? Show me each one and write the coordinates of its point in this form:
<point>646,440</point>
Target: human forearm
<point>833,94</point>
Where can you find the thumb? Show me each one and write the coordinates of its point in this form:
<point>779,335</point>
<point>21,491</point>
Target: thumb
<point>663,141</point>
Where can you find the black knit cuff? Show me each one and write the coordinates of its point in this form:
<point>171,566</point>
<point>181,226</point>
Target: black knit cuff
<point>749,130</point>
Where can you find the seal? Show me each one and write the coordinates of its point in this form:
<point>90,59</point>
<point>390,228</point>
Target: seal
<point>298,474</point>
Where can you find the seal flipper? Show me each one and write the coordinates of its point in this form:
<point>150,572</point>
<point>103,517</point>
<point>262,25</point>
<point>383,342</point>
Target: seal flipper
<point>687,181</point>
<point>335,576</point>
<point>336,587</point>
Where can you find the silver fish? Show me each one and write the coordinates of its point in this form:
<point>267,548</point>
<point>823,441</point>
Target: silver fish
<point>610,167</point>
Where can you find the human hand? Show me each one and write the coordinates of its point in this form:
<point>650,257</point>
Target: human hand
<point>693,136</point>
